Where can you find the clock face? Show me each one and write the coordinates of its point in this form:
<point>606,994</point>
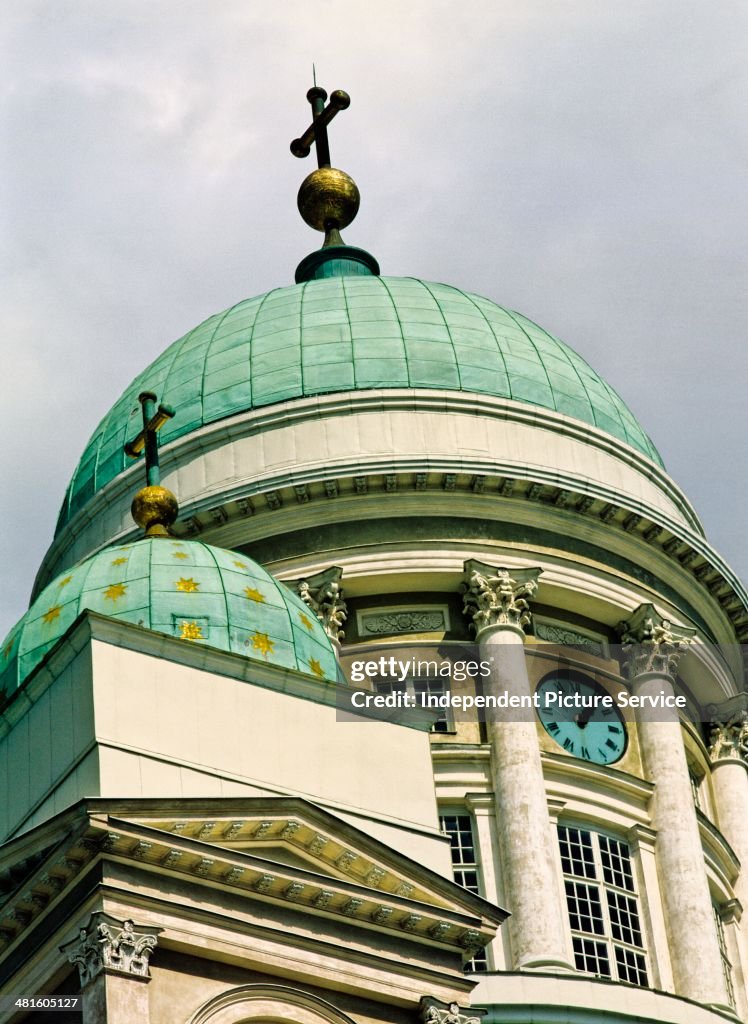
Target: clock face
<point>580,716</point>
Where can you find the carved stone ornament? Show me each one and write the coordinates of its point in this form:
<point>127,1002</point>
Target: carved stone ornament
<point>727,732</point>
<point>323,595</point>
<point>434,1011</point>
<point>497,596</point>
<point>651,643</point>
<point>418,620</point>
<point>565,637</point>
<point>106,944</point>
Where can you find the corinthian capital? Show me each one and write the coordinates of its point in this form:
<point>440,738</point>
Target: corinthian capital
<point>323,595</point>
<point>651,643</point>
<point>434,1011</point>
<point>497,596</point>
<point>727,732</point>
<point>108,944</point>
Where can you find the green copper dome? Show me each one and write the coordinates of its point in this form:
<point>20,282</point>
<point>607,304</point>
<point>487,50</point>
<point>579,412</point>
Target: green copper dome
<point>198,593</point>
<point>349,334</point>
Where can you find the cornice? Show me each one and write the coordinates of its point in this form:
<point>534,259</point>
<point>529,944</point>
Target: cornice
<point>474,488</point>
<point>342,881</point>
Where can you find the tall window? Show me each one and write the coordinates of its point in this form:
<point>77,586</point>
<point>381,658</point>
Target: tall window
<point>603,906</point>
<point>726,964</point>
<point>418,686</point>
<point>459,828</point>
<point>695,789</point>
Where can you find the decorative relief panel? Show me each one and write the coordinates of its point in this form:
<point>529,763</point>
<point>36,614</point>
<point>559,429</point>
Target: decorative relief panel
<point>391,621</point>
<point>566,636</point>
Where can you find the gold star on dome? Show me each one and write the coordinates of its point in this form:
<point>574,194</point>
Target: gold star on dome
<point>64,583</point>
<point>315,666</point>
<point>114,591</point>
<point>181,554</point>
<point>119,561</point>
<point>262,643</point>
<point>191,631</point>
<point>254,595</point>
<point>240,565</point>
<point>188,586</point>
<point>305,621</point>
<point>177,543</point>
<point>52,613</point>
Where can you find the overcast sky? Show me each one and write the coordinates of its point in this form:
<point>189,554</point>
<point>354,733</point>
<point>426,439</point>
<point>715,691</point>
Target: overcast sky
<point>583,162</point>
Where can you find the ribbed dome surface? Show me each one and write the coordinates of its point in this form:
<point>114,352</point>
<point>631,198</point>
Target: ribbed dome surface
<point>187,589</point>
<point>348,334</point>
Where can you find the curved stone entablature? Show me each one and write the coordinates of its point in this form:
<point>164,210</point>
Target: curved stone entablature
<point>385,430</point>
<point>346,335</point>
<point>307,463</point>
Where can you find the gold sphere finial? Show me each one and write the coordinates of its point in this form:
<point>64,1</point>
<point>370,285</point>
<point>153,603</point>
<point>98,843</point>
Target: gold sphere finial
<point>328,198</point>
<point>155,508</point>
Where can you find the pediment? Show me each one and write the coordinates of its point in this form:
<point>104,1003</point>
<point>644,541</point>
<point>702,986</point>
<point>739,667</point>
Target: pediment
<point>283,849</point>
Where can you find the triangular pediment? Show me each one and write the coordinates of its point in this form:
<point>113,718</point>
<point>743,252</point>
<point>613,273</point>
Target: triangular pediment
<point>277,849</point>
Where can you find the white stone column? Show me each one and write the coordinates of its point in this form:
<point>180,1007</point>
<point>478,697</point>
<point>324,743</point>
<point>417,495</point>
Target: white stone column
<point>652,647</point>
<point>495,601</point>
<point>112,959</point>
<point>728,753</point>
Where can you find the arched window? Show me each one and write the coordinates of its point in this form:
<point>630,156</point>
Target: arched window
<point>253,1004</point>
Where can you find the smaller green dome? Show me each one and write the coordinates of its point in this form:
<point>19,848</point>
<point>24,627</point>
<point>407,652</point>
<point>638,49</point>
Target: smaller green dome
<point>186,589</point>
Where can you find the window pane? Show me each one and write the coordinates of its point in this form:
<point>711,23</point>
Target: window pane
<point>435,687</point>
<point>624,919</point>
<point>591,957</point>
<point>388,686</point>
<point>631,966</point>
<point>585,911</point>
<point>616,863</point>
<point>576,852</point>
<point>460,831</point>
<point>726,965</point>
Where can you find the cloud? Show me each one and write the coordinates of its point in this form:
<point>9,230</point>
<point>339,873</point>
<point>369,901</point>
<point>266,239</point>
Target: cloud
<point>581,162</point>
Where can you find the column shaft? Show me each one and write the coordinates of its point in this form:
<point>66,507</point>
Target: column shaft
<point>115,999</point>
<point>537,927</point>
<point>730,787</point>
<point>697,967</point>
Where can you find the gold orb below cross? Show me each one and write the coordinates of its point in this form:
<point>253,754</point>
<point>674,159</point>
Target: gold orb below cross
<point>154,508</point>
<point>328,198</point>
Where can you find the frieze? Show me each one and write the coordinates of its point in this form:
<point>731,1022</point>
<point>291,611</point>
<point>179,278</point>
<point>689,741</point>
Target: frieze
<point>416,620</point>
<point>568,638</point>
